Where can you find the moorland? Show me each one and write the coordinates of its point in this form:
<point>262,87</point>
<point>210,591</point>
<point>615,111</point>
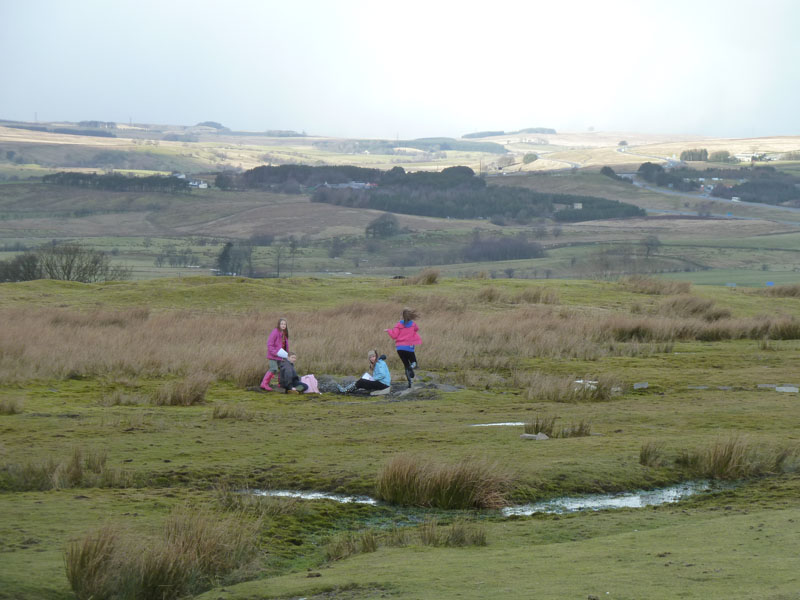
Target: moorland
<point>133,434</point>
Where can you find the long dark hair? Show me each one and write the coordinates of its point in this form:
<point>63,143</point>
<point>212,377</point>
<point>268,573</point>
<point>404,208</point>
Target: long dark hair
<point>278,327</point>
<point>409,314</point>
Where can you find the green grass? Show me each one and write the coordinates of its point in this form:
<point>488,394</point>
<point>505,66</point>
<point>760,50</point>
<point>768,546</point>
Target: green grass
<point>738,543</point>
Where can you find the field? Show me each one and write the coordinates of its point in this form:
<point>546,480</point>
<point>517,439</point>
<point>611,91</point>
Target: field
<point>133,435</point>
<point>99,429</point>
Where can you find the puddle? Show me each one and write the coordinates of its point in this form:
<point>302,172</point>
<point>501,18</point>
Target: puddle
<point>514,424</point>
<point>636,499</point>
<point>316,496</point>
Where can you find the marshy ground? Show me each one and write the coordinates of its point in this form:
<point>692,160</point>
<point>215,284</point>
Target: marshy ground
<point>125,424</point>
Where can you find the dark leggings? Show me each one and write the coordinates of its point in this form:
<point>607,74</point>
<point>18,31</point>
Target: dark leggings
<point>407,357</point>
<point>366,384</point>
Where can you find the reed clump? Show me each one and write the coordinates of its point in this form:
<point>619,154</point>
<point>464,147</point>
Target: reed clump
<point>188,392</point>
<point>541,387</point>
<point>651,454</point>
<point>426,277</point>
<point>194,551</point>
<point>412,481</point>
<point>81,468</point>
<point>547,425</point>
<point>738,458</point>
<point>686,305</point>
<point>782,291</point>
<point>458,534</point>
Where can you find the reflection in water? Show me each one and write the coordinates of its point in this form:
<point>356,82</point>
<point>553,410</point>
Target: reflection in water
<point>514,424</point>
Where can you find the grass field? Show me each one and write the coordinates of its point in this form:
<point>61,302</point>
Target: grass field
<point>95,431</point>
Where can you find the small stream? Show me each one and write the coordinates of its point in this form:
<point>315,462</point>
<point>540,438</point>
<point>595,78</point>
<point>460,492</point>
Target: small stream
<point>637,499</point>
<point>566,504</point>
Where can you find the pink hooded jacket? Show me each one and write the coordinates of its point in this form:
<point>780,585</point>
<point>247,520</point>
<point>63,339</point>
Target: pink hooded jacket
<point>405,334</point>
<point>274,344</point>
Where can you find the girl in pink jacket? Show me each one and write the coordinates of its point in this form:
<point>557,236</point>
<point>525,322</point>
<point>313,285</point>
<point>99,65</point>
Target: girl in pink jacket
<point>406,337</point>
<point>278,340</point>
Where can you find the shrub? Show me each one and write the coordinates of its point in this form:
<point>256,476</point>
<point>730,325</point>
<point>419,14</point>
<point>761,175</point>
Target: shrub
<point>412,481</point>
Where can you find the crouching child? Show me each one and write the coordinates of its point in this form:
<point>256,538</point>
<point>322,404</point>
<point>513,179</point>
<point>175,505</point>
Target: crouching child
<point>290,380</point>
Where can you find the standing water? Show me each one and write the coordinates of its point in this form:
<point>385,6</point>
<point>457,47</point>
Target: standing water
<point>636,499</point>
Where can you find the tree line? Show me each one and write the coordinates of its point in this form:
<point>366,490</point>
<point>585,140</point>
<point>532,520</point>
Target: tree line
<point>455,192</point>
<point>119,183</point>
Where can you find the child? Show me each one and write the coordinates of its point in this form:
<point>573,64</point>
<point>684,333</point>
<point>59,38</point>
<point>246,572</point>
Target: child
<point>406,337</point>
<point>290,380</point>
<point>278,340</point>
<point>378,379</point>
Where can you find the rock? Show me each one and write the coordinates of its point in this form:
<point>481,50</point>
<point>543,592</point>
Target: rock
<point>534,436</point>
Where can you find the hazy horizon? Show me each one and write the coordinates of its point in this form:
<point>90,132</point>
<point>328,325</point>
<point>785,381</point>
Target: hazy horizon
<point>359,69</point>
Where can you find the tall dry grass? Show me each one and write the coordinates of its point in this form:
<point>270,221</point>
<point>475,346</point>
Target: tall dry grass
<point>44,343</point>
<point>547,424</point>
<point>187,392</point>
<point>739,458</point>
<point>782,291</point>
<point>195,550</point>
<point>413,481</point>
<point>80,468</point>
<point>541,387</point>
<point>686,305</point>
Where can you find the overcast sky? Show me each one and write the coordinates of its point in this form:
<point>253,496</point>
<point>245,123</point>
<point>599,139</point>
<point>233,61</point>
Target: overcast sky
<point>407,69</point>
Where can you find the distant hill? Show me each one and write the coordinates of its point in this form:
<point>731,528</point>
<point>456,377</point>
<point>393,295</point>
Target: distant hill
<point>485,134</point>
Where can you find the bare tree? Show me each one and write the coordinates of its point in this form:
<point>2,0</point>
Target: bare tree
<point>74,262</point>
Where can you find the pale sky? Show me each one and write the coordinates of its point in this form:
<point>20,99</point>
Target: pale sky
<point>407,69</point>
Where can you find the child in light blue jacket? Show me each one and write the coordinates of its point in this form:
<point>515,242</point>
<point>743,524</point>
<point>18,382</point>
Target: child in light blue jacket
<point>378,379</point>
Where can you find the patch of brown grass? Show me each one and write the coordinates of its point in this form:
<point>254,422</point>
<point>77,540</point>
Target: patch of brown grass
<point>10,406</point>
<point>188,392</point>
<point>195,549</point>
<point>413,481</point>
